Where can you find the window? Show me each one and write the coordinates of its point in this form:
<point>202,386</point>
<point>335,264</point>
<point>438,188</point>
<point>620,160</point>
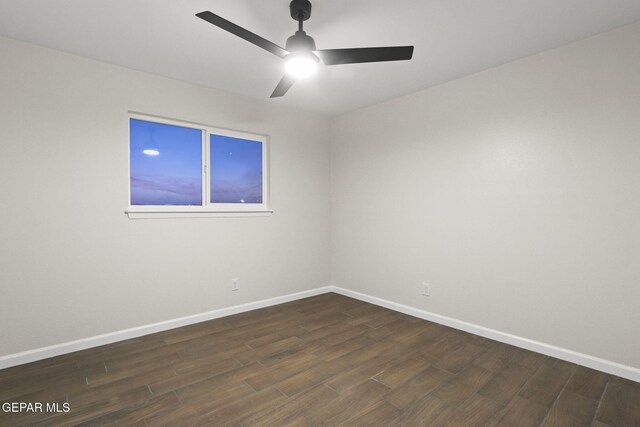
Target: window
<point>181,169</point>
<point>173,178</point>
<point>236,170</point>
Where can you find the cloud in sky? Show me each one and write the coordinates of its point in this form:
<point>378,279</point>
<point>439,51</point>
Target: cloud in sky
<point>165,191</point>
<point>229,192</point>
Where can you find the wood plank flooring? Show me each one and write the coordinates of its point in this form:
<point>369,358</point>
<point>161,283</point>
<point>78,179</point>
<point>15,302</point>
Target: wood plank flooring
<point>322,361</point>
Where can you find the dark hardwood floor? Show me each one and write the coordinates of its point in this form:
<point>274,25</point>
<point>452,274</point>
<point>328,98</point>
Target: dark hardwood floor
<point>327,360</point>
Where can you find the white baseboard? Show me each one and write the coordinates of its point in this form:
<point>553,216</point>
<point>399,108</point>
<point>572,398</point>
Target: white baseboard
<point>603,365</point>
<point>613,368</point>
<point>85,343</point>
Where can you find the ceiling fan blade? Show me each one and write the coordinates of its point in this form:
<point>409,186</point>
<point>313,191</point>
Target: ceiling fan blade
<point>285,84</point>
<point>365,54</point>
<point>234,29</point>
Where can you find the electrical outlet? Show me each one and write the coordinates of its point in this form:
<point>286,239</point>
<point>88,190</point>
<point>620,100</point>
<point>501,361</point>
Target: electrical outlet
<point>234,285</point>
<point>426,289</point>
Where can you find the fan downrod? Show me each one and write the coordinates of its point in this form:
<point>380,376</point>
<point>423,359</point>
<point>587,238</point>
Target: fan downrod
<point>300,10</point>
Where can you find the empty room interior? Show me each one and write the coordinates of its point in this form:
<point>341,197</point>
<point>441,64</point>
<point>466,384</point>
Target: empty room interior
<point>305,213</point>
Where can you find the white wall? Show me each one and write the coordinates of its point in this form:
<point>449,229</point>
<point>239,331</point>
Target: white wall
<point>72,265</point>
<point>515,192</point>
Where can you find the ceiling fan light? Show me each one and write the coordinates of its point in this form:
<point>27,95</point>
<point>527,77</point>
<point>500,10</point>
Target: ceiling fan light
<point>301,64</point>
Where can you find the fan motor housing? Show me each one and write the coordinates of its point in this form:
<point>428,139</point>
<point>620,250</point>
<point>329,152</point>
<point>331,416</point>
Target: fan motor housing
<point>300,41</point>
<point>300,9</point>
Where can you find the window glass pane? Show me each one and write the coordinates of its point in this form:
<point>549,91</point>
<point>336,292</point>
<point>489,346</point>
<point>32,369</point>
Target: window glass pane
<point>166,164</point>
<point>236,170</point>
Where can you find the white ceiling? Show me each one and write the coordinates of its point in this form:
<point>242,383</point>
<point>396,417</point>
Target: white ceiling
<point>452,38</point>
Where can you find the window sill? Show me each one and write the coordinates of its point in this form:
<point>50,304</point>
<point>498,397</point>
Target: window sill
<point>133,213</point>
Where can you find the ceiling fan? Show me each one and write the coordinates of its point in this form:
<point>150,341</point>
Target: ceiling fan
<point>300,53</point>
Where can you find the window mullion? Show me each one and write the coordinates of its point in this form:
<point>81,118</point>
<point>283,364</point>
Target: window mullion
<point>206,168</point>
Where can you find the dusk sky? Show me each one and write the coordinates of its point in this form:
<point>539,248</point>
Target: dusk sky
<point>173,177</point>
<point>236,170</point>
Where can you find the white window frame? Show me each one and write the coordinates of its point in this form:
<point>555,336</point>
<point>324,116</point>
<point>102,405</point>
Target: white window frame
<point>207,209</point>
